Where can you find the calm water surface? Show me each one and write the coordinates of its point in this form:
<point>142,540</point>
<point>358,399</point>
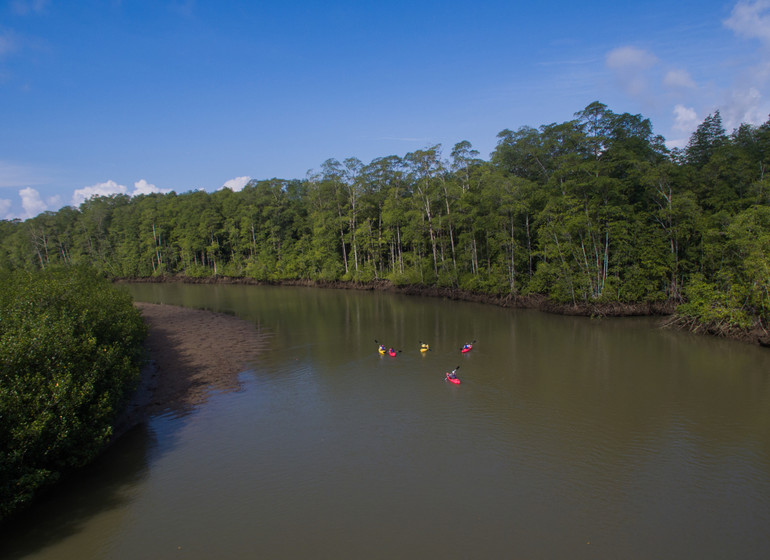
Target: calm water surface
<point>568,438</point>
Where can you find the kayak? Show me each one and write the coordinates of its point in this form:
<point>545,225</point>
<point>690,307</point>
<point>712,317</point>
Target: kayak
<point>466,348</point>
<point>424,347</point>
<point>452,379</point>
<point>382,350</point>
<point>392,353</point>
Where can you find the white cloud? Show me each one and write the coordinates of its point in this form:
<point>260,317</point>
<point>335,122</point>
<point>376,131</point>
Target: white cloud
<point>630,66</point>
<point>143,187</point>
<point>5,207</point>
<point>750,19</point>
<point>685,119</point>
<point>236,184</point>
<point>678,79</point>
<point>111,187</point>
<point>685,122</point>
<point>100,189</point>
<point>31,202</point>
<point>743,103</point>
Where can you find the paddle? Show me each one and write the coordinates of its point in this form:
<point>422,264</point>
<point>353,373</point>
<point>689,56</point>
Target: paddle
<point>446,375</point>
<point>381,347</point>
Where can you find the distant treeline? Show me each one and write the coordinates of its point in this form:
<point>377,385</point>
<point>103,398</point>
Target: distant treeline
<point>593,210</point>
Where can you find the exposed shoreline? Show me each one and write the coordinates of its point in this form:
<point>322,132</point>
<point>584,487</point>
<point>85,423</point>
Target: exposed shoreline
<point>191,353</point>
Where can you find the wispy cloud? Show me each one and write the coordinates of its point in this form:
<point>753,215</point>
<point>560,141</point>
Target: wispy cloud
<point>26,7</point>
<point>404,139</point>
<point>678,79</point>
<point>8,43</point>
<point>739,97</point>
<point>569,62</point>
<point>630,66</point>
<point>751,20</point>
<point>743,106</point>
<point>743,102</point>
<point>14,176</point>
<point>630,58</point>
<point>185,8</point>
<point>5,207</point>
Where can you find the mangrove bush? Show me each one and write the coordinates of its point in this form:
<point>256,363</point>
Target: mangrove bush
<point>70,351</point>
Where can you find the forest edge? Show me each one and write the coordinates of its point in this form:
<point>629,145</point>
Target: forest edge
<point>667,309</point>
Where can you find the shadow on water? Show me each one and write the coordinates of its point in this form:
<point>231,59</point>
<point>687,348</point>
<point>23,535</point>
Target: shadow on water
<point>100,487</point>
<point>195,353</point>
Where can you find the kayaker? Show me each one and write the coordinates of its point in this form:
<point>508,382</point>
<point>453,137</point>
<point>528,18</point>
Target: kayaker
<point>382,348</point>
<point>452,374</point>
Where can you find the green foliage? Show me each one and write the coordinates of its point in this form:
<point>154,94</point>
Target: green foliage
<point>737,290</point>
<point>710,306</point>
<point>70,348</point>
<point>594,209</point>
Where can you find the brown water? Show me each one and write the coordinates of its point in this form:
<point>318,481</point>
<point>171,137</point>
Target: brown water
<point>568,438</point>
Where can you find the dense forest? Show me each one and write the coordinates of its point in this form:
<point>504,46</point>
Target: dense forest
<point>593,210</point>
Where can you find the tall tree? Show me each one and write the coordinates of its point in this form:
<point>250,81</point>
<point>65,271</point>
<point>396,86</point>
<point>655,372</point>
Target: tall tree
<point>425,166</point>
<point>709,136</point>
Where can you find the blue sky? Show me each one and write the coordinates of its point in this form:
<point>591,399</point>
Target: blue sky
<point>138,96</point>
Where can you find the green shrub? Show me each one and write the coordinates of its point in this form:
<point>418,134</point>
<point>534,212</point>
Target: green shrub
<point>709,306</point>
<point>70,352</point>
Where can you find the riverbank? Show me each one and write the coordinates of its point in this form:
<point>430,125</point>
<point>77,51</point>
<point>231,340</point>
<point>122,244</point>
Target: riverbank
<point>755,335</point>
<point>539,302</point>
<point>191,353</point>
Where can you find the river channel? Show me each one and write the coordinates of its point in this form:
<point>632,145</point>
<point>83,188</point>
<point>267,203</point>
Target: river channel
<point>568,438</point>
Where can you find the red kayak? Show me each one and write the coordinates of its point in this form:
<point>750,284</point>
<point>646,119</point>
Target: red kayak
<point>466,348</point>
<point>392,353</point>
<point>452,379</point>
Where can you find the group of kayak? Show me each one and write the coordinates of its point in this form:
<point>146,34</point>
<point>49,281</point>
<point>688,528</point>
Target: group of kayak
<point>450,376</point>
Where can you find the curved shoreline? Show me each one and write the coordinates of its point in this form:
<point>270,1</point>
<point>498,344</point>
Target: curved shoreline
<point>191,352</point>
<point>538,302</point>
<point>757,335</point>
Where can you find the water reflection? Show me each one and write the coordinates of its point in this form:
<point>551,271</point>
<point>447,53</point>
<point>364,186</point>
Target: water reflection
<point>568,438</point>
<point>96,494</point>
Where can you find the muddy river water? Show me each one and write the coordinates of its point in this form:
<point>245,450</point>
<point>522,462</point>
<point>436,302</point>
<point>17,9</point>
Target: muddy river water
<point>567,438</point>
